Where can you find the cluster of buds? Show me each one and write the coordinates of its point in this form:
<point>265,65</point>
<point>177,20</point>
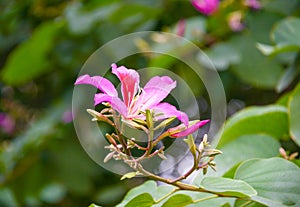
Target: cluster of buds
<point>287,156</point>
<point>120,147</point>
<point>207,155</point>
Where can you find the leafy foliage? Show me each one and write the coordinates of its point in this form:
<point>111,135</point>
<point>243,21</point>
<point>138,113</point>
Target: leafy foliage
<point>43,44</point>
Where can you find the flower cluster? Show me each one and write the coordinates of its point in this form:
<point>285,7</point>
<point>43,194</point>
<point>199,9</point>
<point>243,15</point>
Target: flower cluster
<point>207,7</point>
<point>137,100</point>
<point>144,109</point>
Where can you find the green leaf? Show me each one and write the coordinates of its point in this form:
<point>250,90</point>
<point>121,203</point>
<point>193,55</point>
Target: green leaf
<point>142,200</point>
<point>246,203</point>
<point>267,202</point>
<point>195,28</point>
<point>179,200</point>
<point>191,143</point>
<point>270,120</point>
<point>94,205</point>
<point>285,36</point>
<point>228,187</point>
<point>252,62</point>
<point>242,148</point>
<point>246,147</point>
<point>275,179</point>
<point>149,187</point>
<point>269,50</point>
<point>222,55</point>
<point>53,193</point>
<point>281,6</point>
<point>260,25</point>
<point>128,175</point>
<point>284,99</point>
<point>294,114</point>
<point>287,77</point>
<point>81,21</point>
<point>31,56</point>
<point>7,198</point>
<point>286,32</point>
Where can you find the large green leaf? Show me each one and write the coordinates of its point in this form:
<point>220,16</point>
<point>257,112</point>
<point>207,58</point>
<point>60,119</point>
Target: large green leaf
<point>242,148</point>
<point>294,114</point>
<point>142,200</point>
<point>252,63</point>
<point>222,55</point>
<point>274,179</point>
<point>178,200</point>
<point>287,32</point>
<point>149,187</point>
<point>30,59</point>
<point>270,120</point>
<point>246,147</point>
<point>281,6</point>
<point>228,187</point>
<point>285,36</point>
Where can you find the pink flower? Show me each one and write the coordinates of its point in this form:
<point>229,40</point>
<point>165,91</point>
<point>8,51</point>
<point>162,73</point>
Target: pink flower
<point>7,123</point>
<point>235,21</point>
<point>67,116</point>
<point>180,28</point>
<point>135,100</point>
<point>182,131</point>
<point>207,7</point>
<point>253,4</point>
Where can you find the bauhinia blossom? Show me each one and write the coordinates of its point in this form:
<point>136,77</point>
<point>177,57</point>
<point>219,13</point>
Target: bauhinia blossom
<point>253,4</point>
<point>235,21</point>
<point>135,100</point>
<point>207,7</point>
<point>7,123</point>
<point>184,131</point>
<point>180,28</point>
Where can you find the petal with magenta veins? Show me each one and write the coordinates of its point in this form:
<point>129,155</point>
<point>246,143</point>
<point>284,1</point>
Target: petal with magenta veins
<point>129,82</point>
<point>166,110</point>
<point>115,102</point>
<point>99,82</point>
<point>207,7</point>
<point>191,129</point>
<point>156,90</point>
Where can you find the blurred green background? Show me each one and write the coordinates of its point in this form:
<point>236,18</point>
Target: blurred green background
<point>44,43</point>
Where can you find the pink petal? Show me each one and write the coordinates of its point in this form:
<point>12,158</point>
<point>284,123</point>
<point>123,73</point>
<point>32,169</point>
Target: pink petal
<point>67,116</point>
<point>155,91</point>
<point>116,102</point>
<point>166,110</point>
<point>180,28</point>
<point>253,4</point>
<point>129,82</point>
<point>99,82</point>
<point>206,7</point>
<point>190,129</point>
<point>7,123</point>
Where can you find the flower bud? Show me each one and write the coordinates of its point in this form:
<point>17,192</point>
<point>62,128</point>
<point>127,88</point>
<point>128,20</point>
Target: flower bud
<point>111,140</point>
<point>99,117</point>
<point>130,143</point>
<point>191,144</point>
<point>165,123</point>
<point>213,152</point>
<point>149,118</point>
<point>134,125</point>
<point>108,157</point>
<point>140,121</point>
<point>161,154</point>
